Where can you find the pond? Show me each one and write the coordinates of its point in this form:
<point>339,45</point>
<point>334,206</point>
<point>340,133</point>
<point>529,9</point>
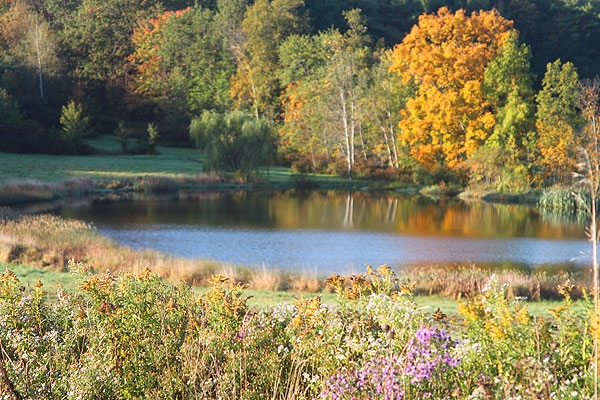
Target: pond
<point>330,231</point>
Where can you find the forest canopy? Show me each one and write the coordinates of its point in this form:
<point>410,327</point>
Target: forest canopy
<point>480,92</point>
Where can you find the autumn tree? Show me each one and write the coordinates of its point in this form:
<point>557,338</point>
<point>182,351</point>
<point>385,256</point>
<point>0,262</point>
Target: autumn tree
<point>267,23</point>
<point>556,122</point>
<point>28,41</point>
<point>179,62</point>
<point>445,56</point>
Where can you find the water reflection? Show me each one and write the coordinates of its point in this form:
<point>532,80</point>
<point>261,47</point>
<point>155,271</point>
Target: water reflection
<point>335,231</point>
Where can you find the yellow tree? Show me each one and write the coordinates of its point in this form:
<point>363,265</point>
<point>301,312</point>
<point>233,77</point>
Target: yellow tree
<point>445,56</point>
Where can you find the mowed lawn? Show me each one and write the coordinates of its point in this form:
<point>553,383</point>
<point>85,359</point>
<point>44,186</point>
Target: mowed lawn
<point>170,162</point>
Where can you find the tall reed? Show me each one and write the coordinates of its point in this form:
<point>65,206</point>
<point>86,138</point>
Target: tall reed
<point>560,200</point>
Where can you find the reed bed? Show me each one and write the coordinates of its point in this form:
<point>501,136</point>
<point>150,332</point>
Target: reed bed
<point>33,190</point>
<point>562,201</point>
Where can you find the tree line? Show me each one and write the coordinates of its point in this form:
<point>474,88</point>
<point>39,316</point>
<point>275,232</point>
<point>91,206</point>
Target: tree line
<point>493,93</point>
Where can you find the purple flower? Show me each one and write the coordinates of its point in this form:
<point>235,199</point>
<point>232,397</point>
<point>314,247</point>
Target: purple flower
<point>429,352</point>
<point>380,376</point>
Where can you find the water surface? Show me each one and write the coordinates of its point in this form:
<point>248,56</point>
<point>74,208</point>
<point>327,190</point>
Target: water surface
<point>337,231</point>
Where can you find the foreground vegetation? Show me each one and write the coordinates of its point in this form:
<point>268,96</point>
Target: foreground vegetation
<point>136,335</point>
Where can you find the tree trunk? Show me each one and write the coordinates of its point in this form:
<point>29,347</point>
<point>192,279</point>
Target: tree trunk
<point>347,139</point>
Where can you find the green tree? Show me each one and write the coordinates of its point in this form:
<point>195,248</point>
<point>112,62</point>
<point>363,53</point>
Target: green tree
<point>324,84</point>
<point>9,109</point>
<point>508,89</point>
<point>236,141</point>
<point>180,63</point>
<point>98,36</point>
<point>74,125</point>
<point>347,62</point>
<point>384,96</point>
<point>556,122</point>
<point>302,59</point>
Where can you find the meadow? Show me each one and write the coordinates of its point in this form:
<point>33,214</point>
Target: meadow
<point>84,318</point>
<point>25,178</point>
<point>128,336</point>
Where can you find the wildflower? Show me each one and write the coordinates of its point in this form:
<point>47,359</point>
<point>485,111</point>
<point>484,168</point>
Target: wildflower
<point>335,281</point>
<point>566,288</point>
<point>218,280</point>
<point>379,378</point>
<point>490,284</point>
<point>429,352</point>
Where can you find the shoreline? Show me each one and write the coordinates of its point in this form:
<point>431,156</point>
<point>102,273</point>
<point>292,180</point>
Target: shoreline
<point>50,243</point>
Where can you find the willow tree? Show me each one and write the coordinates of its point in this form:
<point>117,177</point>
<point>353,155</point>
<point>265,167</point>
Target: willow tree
<point>235,141</point>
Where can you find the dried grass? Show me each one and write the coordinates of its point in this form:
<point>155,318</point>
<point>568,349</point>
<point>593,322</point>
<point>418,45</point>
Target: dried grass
<point>34,190</point>
<point>467,280</point>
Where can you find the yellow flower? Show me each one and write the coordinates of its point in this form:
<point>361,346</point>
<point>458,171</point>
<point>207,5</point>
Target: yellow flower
<point>384,270</point>
<point>557,311</point>
<point>407,288</point>
<point>522,315</point>
<point>218,280</point>
<point>565,289</point>
<point>335,281</point>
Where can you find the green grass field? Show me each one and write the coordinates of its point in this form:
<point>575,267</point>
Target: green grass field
<point>171,162</point>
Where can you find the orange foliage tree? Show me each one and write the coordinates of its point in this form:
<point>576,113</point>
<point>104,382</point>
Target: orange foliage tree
<point>179,61</point>
<point>445,56</point>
